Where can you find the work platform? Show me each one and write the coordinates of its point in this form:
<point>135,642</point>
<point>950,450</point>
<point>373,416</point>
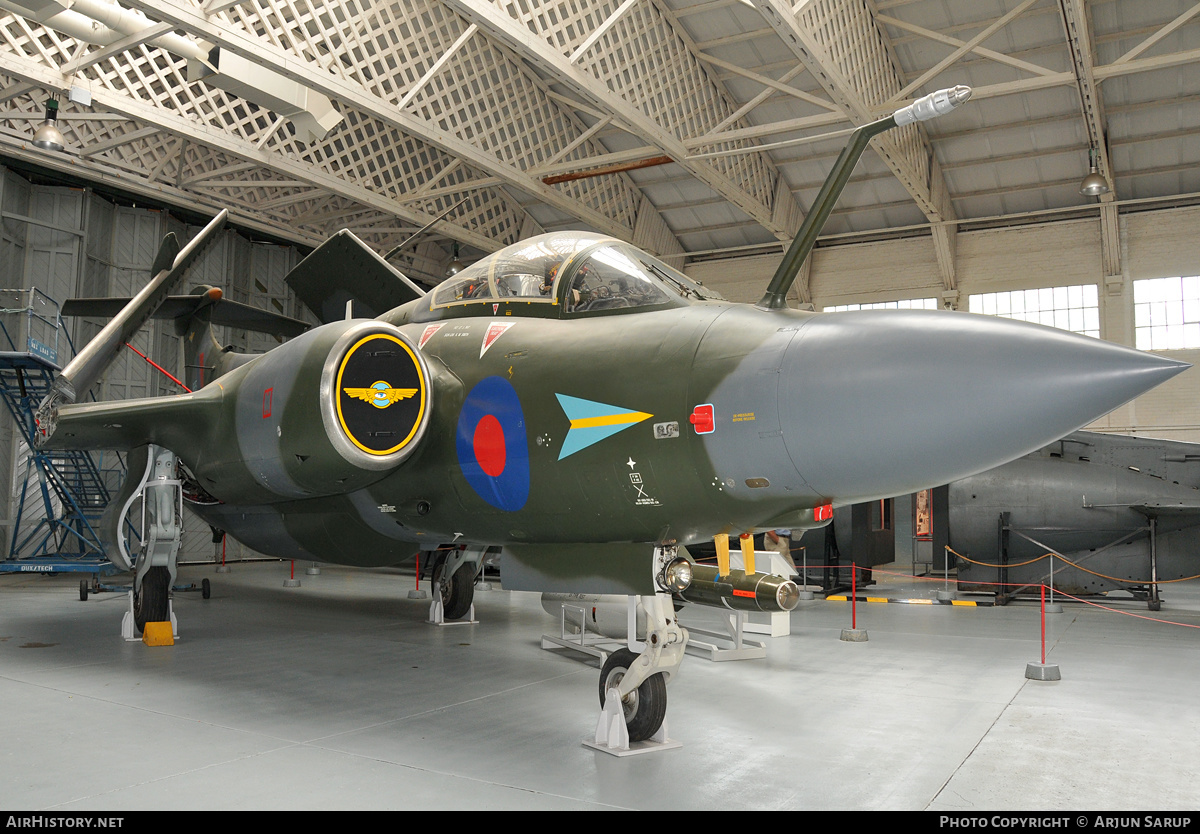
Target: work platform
<point>61,494</point>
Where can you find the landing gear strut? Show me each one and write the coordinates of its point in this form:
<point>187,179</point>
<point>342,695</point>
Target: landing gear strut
<point>633,682</point>
<point>162,530</point>
<point>454,586</point>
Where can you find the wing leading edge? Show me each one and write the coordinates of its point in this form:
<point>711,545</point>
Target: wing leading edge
<point>173,422</point>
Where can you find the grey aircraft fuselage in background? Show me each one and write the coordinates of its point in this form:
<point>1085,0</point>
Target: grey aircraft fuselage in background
<point>1090,497</point>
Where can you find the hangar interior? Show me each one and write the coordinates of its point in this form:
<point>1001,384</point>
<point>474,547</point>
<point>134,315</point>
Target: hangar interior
<point>700,130</point>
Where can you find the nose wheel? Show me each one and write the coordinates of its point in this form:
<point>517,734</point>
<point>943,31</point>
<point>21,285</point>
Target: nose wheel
<point>633,685</point>
<point>645,707</point>
<point>150,602</point>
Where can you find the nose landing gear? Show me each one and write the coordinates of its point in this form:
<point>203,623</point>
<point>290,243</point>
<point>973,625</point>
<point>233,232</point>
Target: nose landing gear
<point>633,682</point>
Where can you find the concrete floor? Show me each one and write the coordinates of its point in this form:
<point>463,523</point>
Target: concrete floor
<point>337,695</point>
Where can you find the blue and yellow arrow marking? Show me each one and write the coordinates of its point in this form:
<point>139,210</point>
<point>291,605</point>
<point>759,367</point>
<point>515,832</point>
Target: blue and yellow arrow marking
<point>591,422</point>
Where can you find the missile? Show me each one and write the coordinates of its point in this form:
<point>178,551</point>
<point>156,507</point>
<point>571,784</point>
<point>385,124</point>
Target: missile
<point>933,105</point>
<point>740,591</point>
<point>608,614</point>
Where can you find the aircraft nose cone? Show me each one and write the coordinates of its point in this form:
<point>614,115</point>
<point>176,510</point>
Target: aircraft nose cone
<point>910,399</point>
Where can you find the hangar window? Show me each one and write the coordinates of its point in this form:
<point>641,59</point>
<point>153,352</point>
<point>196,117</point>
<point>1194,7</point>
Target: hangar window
<point>1075,308</point>
<point>1166,313</point>
<point>904,304</point>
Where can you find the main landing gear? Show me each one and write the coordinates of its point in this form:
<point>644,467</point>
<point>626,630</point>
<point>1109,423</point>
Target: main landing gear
<point>454,585</point>
<point>162,530</point>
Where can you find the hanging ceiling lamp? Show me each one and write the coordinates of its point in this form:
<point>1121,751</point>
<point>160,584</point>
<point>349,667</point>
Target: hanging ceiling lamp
<point>1093,184</point>
<point>48,137</point>
<point>456,265</point>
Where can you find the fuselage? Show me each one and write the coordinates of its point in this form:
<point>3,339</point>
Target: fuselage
<point>572,389</point>
<point>1090,498</point>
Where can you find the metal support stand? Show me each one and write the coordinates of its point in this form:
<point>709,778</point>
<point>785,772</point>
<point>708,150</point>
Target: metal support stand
<point>742,649</point>
<point>612,736</point>
<point>1154,603</point>
<point>804,594</point>
<point>599,646</point>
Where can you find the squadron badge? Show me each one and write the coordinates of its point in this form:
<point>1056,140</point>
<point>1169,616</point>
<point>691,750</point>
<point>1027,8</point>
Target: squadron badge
<point>381,395</point>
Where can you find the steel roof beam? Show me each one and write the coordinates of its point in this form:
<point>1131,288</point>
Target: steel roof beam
<point>515,35</point>
<point>1079,40</point>
<point>849,54</point>
<point>149,115</point>
<point>355,95</point>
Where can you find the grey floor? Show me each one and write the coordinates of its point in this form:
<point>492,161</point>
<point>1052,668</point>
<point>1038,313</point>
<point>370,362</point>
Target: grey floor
<point>337,695</point>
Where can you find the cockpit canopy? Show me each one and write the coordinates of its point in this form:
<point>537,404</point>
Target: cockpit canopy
<point>571,273</point>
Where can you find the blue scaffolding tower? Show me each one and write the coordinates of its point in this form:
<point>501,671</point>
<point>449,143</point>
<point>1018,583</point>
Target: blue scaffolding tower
<point>63,493</point>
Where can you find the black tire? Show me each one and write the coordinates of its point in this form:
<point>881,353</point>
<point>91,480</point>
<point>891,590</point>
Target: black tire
<point>458,591</point>
<point>150,605</point>
<point>206,589</point>
<point>83,590</point>
<point>646,707</point>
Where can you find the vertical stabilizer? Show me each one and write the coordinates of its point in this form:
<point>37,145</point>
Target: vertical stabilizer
<point>82,372</point>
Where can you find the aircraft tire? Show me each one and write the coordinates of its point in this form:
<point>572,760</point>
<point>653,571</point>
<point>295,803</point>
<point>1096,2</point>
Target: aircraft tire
<point>150,606</point>
<point>644,708</point>
<point>206,589</point>
<point>458,592</point>
<point>83,590</point>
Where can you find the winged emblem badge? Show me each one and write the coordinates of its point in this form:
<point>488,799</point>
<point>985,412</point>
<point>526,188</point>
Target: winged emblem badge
<point>380,394</point>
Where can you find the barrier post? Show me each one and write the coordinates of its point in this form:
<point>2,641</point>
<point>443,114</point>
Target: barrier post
<point>854,634</point>
<point>946,594</point>
<point>1043,671</point>
<point>292,581</point>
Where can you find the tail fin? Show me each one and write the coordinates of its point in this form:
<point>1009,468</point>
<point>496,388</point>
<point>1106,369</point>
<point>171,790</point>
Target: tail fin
<point>194,316</point>
<point>344,269</point>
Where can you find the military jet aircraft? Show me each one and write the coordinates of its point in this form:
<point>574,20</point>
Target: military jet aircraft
<point>582,405</point>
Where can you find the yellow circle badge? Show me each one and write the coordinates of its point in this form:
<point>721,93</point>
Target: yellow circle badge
<point>381,394</point>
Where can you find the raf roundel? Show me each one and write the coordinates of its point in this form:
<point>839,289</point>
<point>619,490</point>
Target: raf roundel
<point>491,446</point>
<point>381,395</point>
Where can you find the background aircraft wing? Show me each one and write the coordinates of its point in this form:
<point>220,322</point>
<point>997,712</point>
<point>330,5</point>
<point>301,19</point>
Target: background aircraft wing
<point>1167,508</point>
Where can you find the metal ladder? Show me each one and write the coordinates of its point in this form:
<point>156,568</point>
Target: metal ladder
<point>62,493</point>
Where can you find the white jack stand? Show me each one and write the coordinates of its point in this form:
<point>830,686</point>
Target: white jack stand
<point>598,646</point>
<point>437,613</point>
<point>129,632</point>
<point>612,736</point>
<point>742,649</point>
